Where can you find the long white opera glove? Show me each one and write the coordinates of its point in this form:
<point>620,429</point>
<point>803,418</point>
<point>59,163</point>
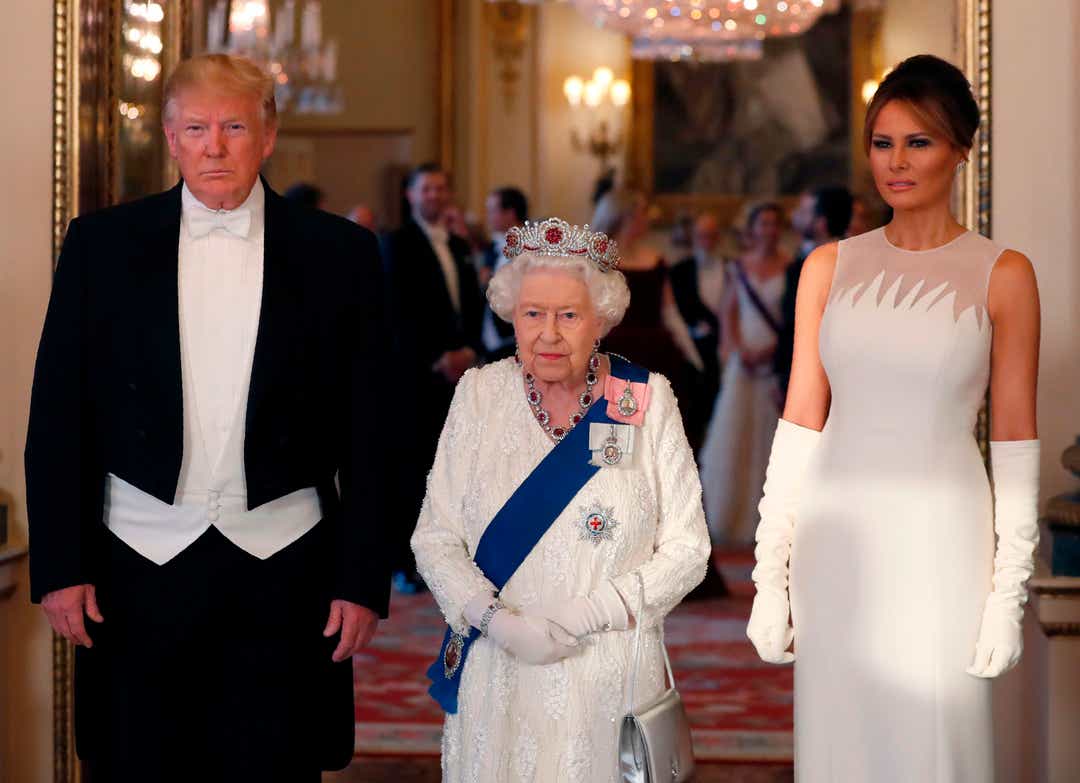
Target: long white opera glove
<point>1015,468</point>
<point>601,610</point>
<point>768,628</point>
<point>531,639</point>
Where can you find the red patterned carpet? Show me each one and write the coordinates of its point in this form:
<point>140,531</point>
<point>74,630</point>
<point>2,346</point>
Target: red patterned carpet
<point>739,706</point>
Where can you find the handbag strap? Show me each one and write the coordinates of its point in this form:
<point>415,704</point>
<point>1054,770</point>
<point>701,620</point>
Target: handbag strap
<point>637,649</point>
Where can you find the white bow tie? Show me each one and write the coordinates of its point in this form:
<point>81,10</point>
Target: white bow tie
<point>201,222</point>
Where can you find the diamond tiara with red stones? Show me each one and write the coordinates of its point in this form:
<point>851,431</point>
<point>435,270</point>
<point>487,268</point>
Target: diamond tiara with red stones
<point>555,237</point>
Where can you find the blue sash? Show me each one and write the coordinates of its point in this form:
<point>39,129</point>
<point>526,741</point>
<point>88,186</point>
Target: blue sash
<point>521,523</point>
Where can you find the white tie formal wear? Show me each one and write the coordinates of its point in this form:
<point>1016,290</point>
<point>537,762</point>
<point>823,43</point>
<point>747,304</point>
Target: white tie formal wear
<point>439,238</point>
<point>220,283</point>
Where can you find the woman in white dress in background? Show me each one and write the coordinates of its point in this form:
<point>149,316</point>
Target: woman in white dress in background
<point>736,448</point>
<point>901,608</point>
<point>540,596</point>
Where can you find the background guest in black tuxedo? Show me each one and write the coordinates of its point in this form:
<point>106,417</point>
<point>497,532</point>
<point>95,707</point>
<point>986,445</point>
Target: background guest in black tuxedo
<point>506,207</point>
<point>204,374</point>
<point>435,310</point>
<point>823,216</point>
<point>697,282</point>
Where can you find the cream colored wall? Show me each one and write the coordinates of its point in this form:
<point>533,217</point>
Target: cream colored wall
<point>389,70</point>
<point>1036,187</point>
<point>568,44</point>
<point>494,137</point>
<point>25,275</point>
<point>527,142</point>
<point>1036,169</point>
<point>918,27</point>
<point>388,67</point>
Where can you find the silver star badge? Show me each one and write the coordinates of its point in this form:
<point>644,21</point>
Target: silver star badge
<point>597,523</point>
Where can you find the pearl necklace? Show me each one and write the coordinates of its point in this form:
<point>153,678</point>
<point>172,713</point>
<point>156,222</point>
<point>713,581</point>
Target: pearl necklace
<point>585,401</point>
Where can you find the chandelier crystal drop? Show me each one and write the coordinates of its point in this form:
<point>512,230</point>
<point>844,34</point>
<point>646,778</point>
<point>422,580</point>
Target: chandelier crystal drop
<point>704,30</point>
<point>302,63</point>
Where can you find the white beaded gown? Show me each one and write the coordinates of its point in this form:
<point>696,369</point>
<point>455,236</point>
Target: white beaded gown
<point>556,723</point>
<point>736,448</point>
<point>893,546</point>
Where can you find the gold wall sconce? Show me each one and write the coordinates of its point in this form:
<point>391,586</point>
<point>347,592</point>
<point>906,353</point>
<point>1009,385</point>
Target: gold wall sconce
<point>598,110</point>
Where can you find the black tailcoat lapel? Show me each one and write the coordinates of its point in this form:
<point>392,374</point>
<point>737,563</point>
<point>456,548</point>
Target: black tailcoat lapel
<point>157,375</point>
<point>276,343</point>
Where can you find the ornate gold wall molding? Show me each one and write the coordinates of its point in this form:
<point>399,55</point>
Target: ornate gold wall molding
<point>65,101</point>
<point>973,32</point>
<point>509,24</point>
<point>445,129</point>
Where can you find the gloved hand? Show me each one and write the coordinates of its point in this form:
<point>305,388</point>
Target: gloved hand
<point>768,629</point>
<point>531,639</point>
<point>1015,469</point>
<point>601,610</point>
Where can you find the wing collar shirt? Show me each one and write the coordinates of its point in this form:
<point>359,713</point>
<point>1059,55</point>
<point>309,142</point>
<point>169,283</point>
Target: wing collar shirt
<point>439,238</point>
<point>220,292</point>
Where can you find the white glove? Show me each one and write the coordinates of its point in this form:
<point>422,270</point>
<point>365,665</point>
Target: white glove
<point>601,610</point>
<point>1015,469</point>
<point>533,640</point>
<point>768,629</point>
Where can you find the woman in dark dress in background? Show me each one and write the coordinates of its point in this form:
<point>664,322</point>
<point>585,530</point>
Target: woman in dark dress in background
<point>652,333</point>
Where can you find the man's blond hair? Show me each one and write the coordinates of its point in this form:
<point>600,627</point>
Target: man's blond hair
<point>232,75</point>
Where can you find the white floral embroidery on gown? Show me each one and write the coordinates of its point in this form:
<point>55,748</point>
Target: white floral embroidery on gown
<point>556,723</point>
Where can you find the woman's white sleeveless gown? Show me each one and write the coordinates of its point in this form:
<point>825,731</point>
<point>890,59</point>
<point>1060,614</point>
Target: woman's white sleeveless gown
<point>893,550</point>
<point>736,449</point>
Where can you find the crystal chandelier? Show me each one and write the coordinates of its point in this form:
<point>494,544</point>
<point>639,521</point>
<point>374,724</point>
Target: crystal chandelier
<point>705,30</point>
<point>304,67</point>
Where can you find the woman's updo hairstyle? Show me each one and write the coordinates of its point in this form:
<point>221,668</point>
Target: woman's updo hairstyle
<point>760,209</point>
<point>937,91</point>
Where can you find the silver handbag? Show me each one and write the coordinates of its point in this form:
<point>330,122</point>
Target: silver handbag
<point>654,741</point>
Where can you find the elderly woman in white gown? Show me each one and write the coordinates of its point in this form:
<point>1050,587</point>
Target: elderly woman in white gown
<point>563,495</point>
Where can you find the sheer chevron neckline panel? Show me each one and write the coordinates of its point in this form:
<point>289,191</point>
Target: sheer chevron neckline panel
<point>961,267</point>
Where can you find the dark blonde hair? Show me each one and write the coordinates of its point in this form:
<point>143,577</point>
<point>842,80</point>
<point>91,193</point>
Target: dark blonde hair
<point>235,75</point>
<point>939,94</point>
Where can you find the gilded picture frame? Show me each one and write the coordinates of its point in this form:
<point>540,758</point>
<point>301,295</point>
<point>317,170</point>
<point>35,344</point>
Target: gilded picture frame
<point>86,38</point>
<point>972,53</point>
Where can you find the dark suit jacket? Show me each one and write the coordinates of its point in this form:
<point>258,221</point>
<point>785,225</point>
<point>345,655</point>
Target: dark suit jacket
<point>687,291</point>
<point>424,325</point>
<point>107,395</point>
<point>785,344</point>
<point>423,320</point>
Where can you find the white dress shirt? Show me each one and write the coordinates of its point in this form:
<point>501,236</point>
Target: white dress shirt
<point>220,290</point>
<point>439,238</point>
<point>711,279</point>
<point>220,284</point>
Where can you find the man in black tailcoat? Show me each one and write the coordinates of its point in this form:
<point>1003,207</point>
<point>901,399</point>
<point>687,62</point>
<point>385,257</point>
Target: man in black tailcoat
<point>204,472</point>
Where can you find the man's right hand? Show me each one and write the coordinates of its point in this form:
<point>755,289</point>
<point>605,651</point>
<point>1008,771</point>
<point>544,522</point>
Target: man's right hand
<point>453,364</point>
<point>65,609</point>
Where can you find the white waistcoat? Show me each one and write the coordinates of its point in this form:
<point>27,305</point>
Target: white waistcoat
<point>220,288</point>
